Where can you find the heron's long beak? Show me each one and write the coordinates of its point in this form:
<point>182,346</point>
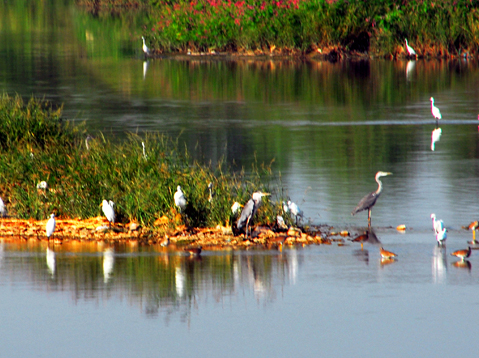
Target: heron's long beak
<point>100,204</point>
<point>389,173</point>
<point>266,194</point>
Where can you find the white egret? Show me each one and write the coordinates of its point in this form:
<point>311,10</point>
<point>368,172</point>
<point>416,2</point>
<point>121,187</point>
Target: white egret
<point>3,209</point>
<point>235,208</point>
<point>144,151</point>
<point>109,211</point>
<point>210,188</point>
<point>434,110</point>
<point>285,208</point>
<point>108,263</point>
<point>51,224</point>
<point>51,261</point>
<point>87,139</point>
<point>145,48</point>
<point>180,200</point>
<point>42,185</point>
<point>280,222</point>
<point>410,50</point>
<point>295,210</point>
<point>249,210</point>
<point>435,136</point>
<point>437,225</point>
<point>441,237</point>
<point>369,200</point>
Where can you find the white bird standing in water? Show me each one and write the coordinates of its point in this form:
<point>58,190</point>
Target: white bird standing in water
<point>441,237</point>
<point>434,110</point>
<point>180,200</point>
<point>109,211</point>
<point>51,224</point>
<point>3,209</point>
<point>439,230</point>
<point>249,210</point>
<point>410,50</point>
<point>295,210</point>
<point>145,48</point>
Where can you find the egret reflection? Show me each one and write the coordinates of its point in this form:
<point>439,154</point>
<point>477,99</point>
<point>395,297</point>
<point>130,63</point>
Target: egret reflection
<point>435,136</point>
<point>409,69</point>
<point>439,264</point>
<point>145,69</point>
<point>108,262</point>
<point>51,261</point>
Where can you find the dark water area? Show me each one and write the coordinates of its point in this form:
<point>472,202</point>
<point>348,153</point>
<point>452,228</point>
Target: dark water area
<point>327,128</point>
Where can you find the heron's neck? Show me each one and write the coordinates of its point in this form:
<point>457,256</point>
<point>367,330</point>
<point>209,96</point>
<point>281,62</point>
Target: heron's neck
<point>380,186</point>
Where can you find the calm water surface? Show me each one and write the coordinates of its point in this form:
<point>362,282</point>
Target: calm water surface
<point>327,129</point>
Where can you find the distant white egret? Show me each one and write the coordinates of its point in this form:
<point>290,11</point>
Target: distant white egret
<point>42,185</point>
<point>3,209</point>
<point>249,210</point>
<point>435,136</point>
<point>145,48</point>
<point>210,188</point>
<point>295,210</point>
<point>285,208</point>
<point>434,110</point>
<point>438,225</point>
<point>410,50</point>
<point>235,208</point>
<point>109,211</point>
<point>441,237</point>
<point>51,261</point>
<point>144,151</point>
<point>108,263</point>
<point>87,139</point>
<point>51,224</point>
<point>280,222</point>
<point>180,200</point>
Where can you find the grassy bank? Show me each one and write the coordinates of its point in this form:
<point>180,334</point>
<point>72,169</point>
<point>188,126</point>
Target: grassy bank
<point>36,145</point>
<point>434,28</point>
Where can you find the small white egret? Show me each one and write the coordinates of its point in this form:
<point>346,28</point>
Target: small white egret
<point>42,185</point>
<point>3,209</point>
<point>369,200</point>
<point>280,222</point>
<point>235,208</point>
<point>285,208</point>
<point>144,151</point>
<point>87,139</point>
<point>210,188</point>
<point>51,224</point>
<point>249,210</point>
<point>109,211</point>
<point>51,261</point>
<point>438,225</point>
<point>108,263</point>
<point>145,48</point>
<point>434,110</point>
<point>435,136</point>
<point>410,50</point>
<point>180,200</point>
<point>295,210</point>
<point>441,237</point>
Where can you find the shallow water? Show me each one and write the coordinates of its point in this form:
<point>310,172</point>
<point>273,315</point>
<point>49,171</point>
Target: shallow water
<point>329,128</point>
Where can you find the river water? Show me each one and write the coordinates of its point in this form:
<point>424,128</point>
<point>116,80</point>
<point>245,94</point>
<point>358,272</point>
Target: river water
<point>327,128</point>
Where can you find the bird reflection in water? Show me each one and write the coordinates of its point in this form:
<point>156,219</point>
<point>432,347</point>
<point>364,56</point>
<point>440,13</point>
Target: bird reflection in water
<point>108,262</point>
<point>51,261</point>
<point>439,264</point>
<point>409,68</point>
<point>387,261</point>
<point>466,264</point>
<point>145,69</point>
<point>362,255</point>
<point>435,136</point>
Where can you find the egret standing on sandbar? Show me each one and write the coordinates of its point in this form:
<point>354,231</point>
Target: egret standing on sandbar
<point>145,48</point>
<point>109,211</point>
<point>410,50</point>
<point>249,210</point>
<point>51,226</point>
<point>295,210</point>
<point>369,200</point>
<point>3,209</point>
<point>180,200</point>
<point>434,110</point>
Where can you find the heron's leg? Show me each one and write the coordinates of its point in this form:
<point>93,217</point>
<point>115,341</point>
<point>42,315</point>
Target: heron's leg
<point>247,224</point>
<point>369,218</point>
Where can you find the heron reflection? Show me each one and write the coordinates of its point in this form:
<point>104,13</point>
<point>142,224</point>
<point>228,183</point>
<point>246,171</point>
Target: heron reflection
<point>439,264</point>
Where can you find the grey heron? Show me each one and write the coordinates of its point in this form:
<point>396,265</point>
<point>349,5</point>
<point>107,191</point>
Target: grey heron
<point>109,211</point>
<point>410,50</point>
<point>434,110</point>
<point>145,48</point>
<point>3,209</point>
<point>180,200</point>
<point>51,224</point>
<point>249,210</point>
<point>369,200</point>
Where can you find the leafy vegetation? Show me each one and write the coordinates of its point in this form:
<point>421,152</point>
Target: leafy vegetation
<point>38,145</point>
